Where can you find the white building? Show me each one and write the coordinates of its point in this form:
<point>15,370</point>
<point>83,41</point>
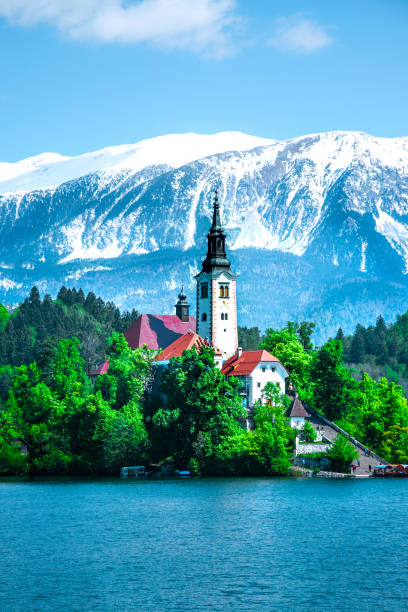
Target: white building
<point>216,292</point>
<point>297,414</point>
<point>255,369</point>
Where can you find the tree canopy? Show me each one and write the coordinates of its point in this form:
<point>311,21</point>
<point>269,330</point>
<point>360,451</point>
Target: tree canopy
<point>26,333</point>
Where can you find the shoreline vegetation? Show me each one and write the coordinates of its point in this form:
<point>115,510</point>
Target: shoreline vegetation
<point>54,421</point>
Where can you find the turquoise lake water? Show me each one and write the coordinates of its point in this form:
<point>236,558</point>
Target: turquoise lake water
<point>210,544</point>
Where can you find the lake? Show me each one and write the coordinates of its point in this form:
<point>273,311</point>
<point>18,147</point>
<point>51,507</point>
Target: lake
<point>205,544</point>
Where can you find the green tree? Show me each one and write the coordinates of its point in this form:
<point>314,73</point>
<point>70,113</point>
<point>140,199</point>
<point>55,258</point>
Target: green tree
<point>305,331</point>
<point>308,433</point>
<point>249,338</point>
<point>201,408</point>
<point>342,454</point>
<point>126,442</point>
<point>131,369</point>
<point>332,383</point>
<point>339,335</point>
<point>4,317</point>
<point>286,346</point>
<point>68,369</point>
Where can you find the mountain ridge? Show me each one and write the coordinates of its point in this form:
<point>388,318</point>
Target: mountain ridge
<point>336,203</point>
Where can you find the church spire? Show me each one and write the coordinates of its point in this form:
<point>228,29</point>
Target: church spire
<point>216,255</point>
<point>182,306</point>
<point>216,224</point>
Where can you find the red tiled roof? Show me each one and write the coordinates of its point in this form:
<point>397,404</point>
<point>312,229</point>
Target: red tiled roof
<point>246,363</point>
<point>157,331</point>
<point>184,343</point>
<point>297,409</point>
<point>100,369</point>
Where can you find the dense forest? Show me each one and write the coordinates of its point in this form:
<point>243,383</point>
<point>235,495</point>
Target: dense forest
<point>36,324</point>
<point>69,425</point>
<point>379,350</point>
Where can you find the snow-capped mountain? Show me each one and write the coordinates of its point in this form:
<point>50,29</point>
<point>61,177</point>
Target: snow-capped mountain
<point>317,225</point>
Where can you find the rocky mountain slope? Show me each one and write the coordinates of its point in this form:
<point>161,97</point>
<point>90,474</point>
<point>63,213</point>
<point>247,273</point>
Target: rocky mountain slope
<point>317,226</point>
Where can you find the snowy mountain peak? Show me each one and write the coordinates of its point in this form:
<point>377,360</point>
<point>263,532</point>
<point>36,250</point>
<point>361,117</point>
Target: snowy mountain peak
<point>48,170</point>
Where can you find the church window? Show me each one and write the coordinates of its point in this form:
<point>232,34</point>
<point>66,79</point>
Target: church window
<point>204,316</point>
<point>224,291</point>
<point>204,290</point>
<point>226,316</point>
<point>263,369</point>
<point>222,316</point>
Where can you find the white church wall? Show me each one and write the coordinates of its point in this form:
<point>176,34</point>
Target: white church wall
<point>224,314</point>
<point>204,307</point>
<point>264,373</point>
<point>297,422</point>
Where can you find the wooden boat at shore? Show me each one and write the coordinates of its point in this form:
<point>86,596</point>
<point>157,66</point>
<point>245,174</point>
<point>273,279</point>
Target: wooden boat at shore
<point>398,470</point>
<point>154,471</point>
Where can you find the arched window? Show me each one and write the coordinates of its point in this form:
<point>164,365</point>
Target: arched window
<point>226,316</point>
<point>204,316</point>
<point>226,291</point>
<point>222,316</point>
<point>221,291</point>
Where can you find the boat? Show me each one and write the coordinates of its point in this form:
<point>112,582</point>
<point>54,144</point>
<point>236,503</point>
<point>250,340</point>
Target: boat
<point>133,471</point>
<point>182,474</point>
<point>391,471</point>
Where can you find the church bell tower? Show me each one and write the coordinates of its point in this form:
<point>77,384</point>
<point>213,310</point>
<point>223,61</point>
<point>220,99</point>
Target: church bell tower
<point>216,291</point>
<point>183,307</point>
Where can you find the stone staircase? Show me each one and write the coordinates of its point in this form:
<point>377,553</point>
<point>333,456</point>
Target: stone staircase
<point>367,461</point>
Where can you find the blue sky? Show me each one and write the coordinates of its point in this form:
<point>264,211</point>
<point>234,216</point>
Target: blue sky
<point>78,75</point>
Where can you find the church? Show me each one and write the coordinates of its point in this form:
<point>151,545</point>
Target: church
<point>214,325</point>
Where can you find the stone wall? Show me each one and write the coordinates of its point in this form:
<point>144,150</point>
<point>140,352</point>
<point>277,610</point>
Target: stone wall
<point>310,448</point>
<point>312,463</point>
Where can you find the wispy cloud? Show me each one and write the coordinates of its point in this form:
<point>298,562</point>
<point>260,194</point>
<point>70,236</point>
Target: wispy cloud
<point>202,26</point>
<point>299,34</point>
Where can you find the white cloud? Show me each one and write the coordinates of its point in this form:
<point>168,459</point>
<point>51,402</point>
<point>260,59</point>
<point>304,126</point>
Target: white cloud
<point>299,34</point>
<point>202,26</point>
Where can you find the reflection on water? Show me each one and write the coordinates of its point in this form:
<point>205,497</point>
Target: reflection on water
<point>211,544</point>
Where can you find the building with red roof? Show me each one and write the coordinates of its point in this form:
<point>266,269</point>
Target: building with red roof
<point>98,370</point>
<point>255,369</point>
<point>185,343</point>
<point>156,331</point>
<point>159,331</point>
